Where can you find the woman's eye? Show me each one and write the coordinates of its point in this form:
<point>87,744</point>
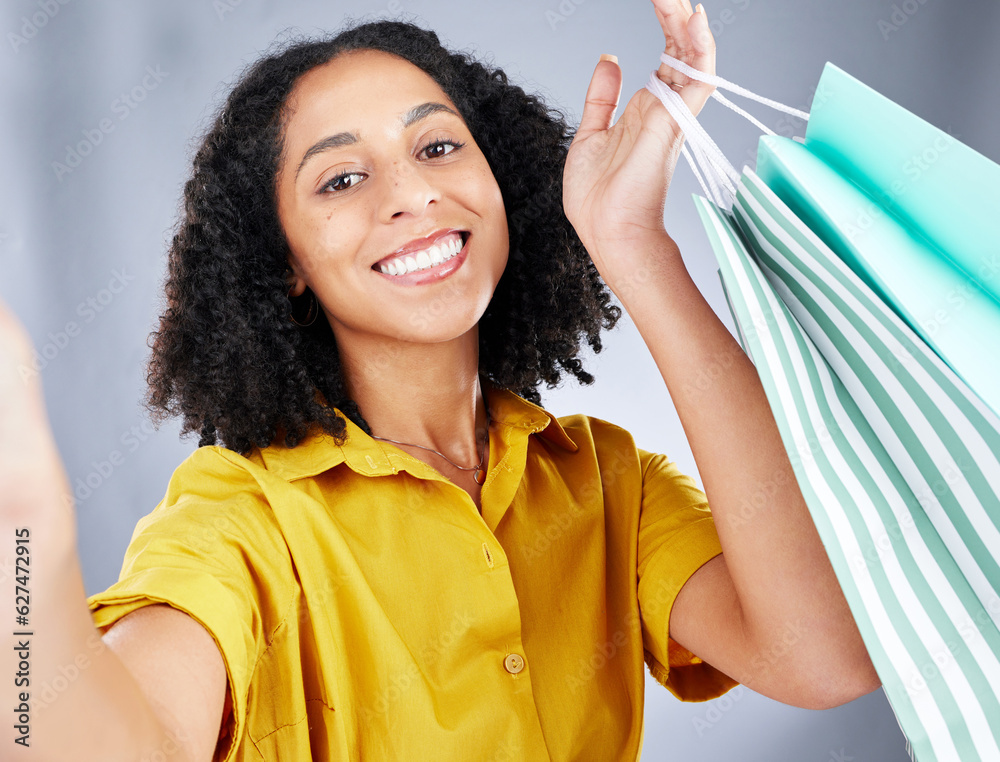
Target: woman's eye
<point>433,151</point>
<point>348,180</point>
<point>339,183</point>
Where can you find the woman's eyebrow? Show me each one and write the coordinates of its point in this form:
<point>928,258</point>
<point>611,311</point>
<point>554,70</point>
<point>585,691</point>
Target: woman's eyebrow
<point>412,116</point>
<point>417,113</point>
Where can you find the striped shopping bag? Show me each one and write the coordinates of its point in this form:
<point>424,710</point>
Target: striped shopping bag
<point>898,459</point>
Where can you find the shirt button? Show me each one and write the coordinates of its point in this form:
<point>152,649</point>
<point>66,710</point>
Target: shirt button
<point>514,663</point>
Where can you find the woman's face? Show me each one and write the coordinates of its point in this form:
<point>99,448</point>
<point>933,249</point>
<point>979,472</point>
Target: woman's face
<point>380,173</point>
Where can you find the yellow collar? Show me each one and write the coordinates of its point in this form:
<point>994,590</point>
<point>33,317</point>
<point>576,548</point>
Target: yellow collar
<point>318,452</point>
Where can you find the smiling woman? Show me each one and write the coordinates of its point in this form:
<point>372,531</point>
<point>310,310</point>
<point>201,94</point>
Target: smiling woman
<point>420,187</point>
<point>384,548</point>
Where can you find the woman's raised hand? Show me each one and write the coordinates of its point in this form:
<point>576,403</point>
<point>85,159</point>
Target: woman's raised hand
<point>108,711</point>
<point>617,175</point>
<point>34,484</point>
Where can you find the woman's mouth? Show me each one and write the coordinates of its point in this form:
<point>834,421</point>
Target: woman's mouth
<point>426,265</point>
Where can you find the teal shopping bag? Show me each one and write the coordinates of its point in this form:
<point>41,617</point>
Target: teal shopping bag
<point>948,307</point>
<point>898,458</point>
<point>924,176</point>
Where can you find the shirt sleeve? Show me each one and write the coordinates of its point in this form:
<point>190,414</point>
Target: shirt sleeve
<point>676,537</point>
<point>196,551</point>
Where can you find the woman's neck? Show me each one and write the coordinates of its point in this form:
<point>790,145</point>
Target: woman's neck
<point>424,394</point>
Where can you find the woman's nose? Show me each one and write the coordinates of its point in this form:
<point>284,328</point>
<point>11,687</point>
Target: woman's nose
<point>408,189</point>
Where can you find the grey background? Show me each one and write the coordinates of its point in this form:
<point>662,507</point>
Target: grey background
<point>65,238</point>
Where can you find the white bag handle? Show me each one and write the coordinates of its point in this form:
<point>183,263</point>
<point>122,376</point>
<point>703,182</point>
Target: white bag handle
<point>722,178</point>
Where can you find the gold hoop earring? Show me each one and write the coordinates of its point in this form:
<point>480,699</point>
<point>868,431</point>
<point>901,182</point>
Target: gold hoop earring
<point>311,315</point>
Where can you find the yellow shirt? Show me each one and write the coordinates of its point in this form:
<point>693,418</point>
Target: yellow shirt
<point>366,610</point>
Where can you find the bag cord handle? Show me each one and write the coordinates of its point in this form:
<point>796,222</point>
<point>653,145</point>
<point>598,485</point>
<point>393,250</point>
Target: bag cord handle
<point>722,178</point>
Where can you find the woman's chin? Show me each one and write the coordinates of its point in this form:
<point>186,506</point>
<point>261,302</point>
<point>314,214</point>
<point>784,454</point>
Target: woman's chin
<point>440,331</point>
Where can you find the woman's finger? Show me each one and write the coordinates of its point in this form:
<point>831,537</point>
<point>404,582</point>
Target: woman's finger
<point>673,17</point>
<point>602,98</point>
<point>695,94</point>
<point>688,37</point>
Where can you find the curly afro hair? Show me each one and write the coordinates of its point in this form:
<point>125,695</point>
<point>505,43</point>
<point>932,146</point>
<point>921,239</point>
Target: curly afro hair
<point>227,356</point>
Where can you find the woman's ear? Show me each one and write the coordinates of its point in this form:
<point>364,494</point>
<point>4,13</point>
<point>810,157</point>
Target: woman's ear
<point>296,284</point>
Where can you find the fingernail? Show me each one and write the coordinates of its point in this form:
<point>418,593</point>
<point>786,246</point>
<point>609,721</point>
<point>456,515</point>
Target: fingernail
<point>700,9</point>
<point>609,57</point>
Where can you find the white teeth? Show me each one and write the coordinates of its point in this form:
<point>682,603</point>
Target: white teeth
<point>423,259</point>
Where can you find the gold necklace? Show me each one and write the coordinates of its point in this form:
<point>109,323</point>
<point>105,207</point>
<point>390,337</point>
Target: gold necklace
<point>479,470</point>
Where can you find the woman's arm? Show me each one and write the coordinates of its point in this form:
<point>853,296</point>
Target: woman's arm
<point>157,691</point>
<point>769,611</point>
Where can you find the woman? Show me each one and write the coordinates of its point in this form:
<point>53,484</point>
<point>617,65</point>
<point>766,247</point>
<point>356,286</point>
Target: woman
<point>396,553</point>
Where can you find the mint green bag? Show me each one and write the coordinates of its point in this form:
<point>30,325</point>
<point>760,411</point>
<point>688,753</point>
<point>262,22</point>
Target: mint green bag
<point>897,458</point>
<point>936,186</point>
<point>911,210</point>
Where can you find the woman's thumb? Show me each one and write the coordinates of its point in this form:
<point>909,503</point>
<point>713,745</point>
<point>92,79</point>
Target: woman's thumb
<point>602,97</point>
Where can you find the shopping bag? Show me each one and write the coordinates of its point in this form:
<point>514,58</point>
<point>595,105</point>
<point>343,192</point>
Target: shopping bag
<point>895,455</point>
<point>922,175</point>
<point>948,307</point>
<point>932,639</point>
